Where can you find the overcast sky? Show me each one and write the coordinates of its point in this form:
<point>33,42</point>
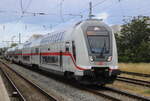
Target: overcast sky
<point>17,17</point>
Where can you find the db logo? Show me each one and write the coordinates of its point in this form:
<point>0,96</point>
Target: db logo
<point>100,63</point>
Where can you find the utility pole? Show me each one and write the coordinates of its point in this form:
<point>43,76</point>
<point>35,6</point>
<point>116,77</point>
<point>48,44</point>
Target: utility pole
<point>90,10</point>
<point>19,38</point>
<point>12,39</point>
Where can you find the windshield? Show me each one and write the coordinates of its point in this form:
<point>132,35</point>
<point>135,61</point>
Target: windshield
<point>98,38</point>
<point>99,44</point>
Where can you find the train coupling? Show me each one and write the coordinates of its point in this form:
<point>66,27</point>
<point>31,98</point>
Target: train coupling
<point>114,72</point>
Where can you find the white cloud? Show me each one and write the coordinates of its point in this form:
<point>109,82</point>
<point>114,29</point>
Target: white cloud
<point>103,16</point>
<point>13,29</point>
<point>108,11</point>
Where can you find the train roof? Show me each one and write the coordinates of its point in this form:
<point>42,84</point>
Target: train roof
<point>11,49</point>
<point>20,46</point>
<point>36,42</point>
<point>55,35</point>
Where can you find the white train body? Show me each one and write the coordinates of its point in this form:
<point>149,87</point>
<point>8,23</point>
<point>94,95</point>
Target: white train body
<point>85,51</point>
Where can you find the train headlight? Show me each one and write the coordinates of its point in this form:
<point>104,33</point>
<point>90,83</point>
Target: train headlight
<point>109,58</point>
<point>91,58</point>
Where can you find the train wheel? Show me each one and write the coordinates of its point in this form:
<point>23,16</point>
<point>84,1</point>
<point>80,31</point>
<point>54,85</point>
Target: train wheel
<point>35,67</point>
<point>68,75</point>
<point>102,85</point>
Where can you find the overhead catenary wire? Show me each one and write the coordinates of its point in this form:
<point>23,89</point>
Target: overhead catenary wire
<point>21,16</point>
<point>61,12</point>
<point>86,10</point>
<point>24,12</point>
<point>81,15</point>
<point>21,6</point>
<point>28,5</point>
<point>95,5</point>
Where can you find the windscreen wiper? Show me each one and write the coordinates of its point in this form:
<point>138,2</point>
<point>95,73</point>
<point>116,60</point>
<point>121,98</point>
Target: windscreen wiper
<point>103,49</point>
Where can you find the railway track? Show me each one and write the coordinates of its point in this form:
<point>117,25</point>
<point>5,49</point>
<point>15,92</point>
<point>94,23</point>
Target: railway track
<point>125,93</point>
<point>114,94</point>
<point>15,93</point>
<point>26,89</point>
<point>100,93</point>
<point>108,93</point>
<point>134,81</point>
<point>136,74</point>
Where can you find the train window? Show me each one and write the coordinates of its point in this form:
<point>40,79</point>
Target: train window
<point>99,39</point>
<point>99,44</point>
<point>61,36</point>
<point>52,38</point>
<point>67,46</point>
<point>36,50</point>
<point>16,57</point>
<point>50,60</point>
<point>74,49</point>
<point>26,58</point>
<point>56,37</point>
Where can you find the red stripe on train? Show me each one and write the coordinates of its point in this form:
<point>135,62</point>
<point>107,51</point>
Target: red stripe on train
<point>55,54</point>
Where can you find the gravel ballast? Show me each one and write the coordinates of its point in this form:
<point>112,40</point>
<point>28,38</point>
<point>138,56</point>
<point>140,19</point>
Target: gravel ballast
<point>63,91</point>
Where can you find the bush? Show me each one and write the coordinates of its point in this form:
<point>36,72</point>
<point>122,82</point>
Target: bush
<point>134,41</point>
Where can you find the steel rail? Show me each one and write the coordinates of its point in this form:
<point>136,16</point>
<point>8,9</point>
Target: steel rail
<point>136,74</point>
<point>21,97</point>
<point>134,81</point>
<point>136,96</point>
<point>115,90</point>
<point>143,98</point>
<point>90,90</point>
<point>100,94</point>
<point>51,98</point>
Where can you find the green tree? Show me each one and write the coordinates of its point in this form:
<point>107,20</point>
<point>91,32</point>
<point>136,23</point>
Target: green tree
<point>134,40</point>
<point>13,44</point>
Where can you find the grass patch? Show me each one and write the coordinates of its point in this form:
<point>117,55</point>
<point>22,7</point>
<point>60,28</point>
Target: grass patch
<point>131,88</point>
<point>147,92</point>
<point>135,67</point>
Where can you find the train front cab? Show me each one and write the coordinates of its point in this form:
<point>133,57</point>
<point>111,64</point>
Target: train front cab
<point>96,53</point>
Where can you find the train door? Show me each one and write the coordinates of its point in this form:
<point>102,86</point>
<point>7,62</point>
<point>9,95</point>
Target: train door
<point>66,58</point>
<point>74,50</point>
<point>70,58</point>
<point>60,60</point>
<point>36,56</point>
<point>32,57</point>
<point>67,46</point>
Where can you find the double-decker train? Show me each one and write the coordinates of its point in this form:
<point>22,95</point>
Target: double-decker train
<point>85,51</point>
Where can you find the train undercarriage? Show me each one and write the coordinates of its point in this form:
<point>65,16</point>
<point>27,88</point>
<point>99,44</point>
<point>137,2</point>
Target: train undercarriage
<point>98,76</point>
